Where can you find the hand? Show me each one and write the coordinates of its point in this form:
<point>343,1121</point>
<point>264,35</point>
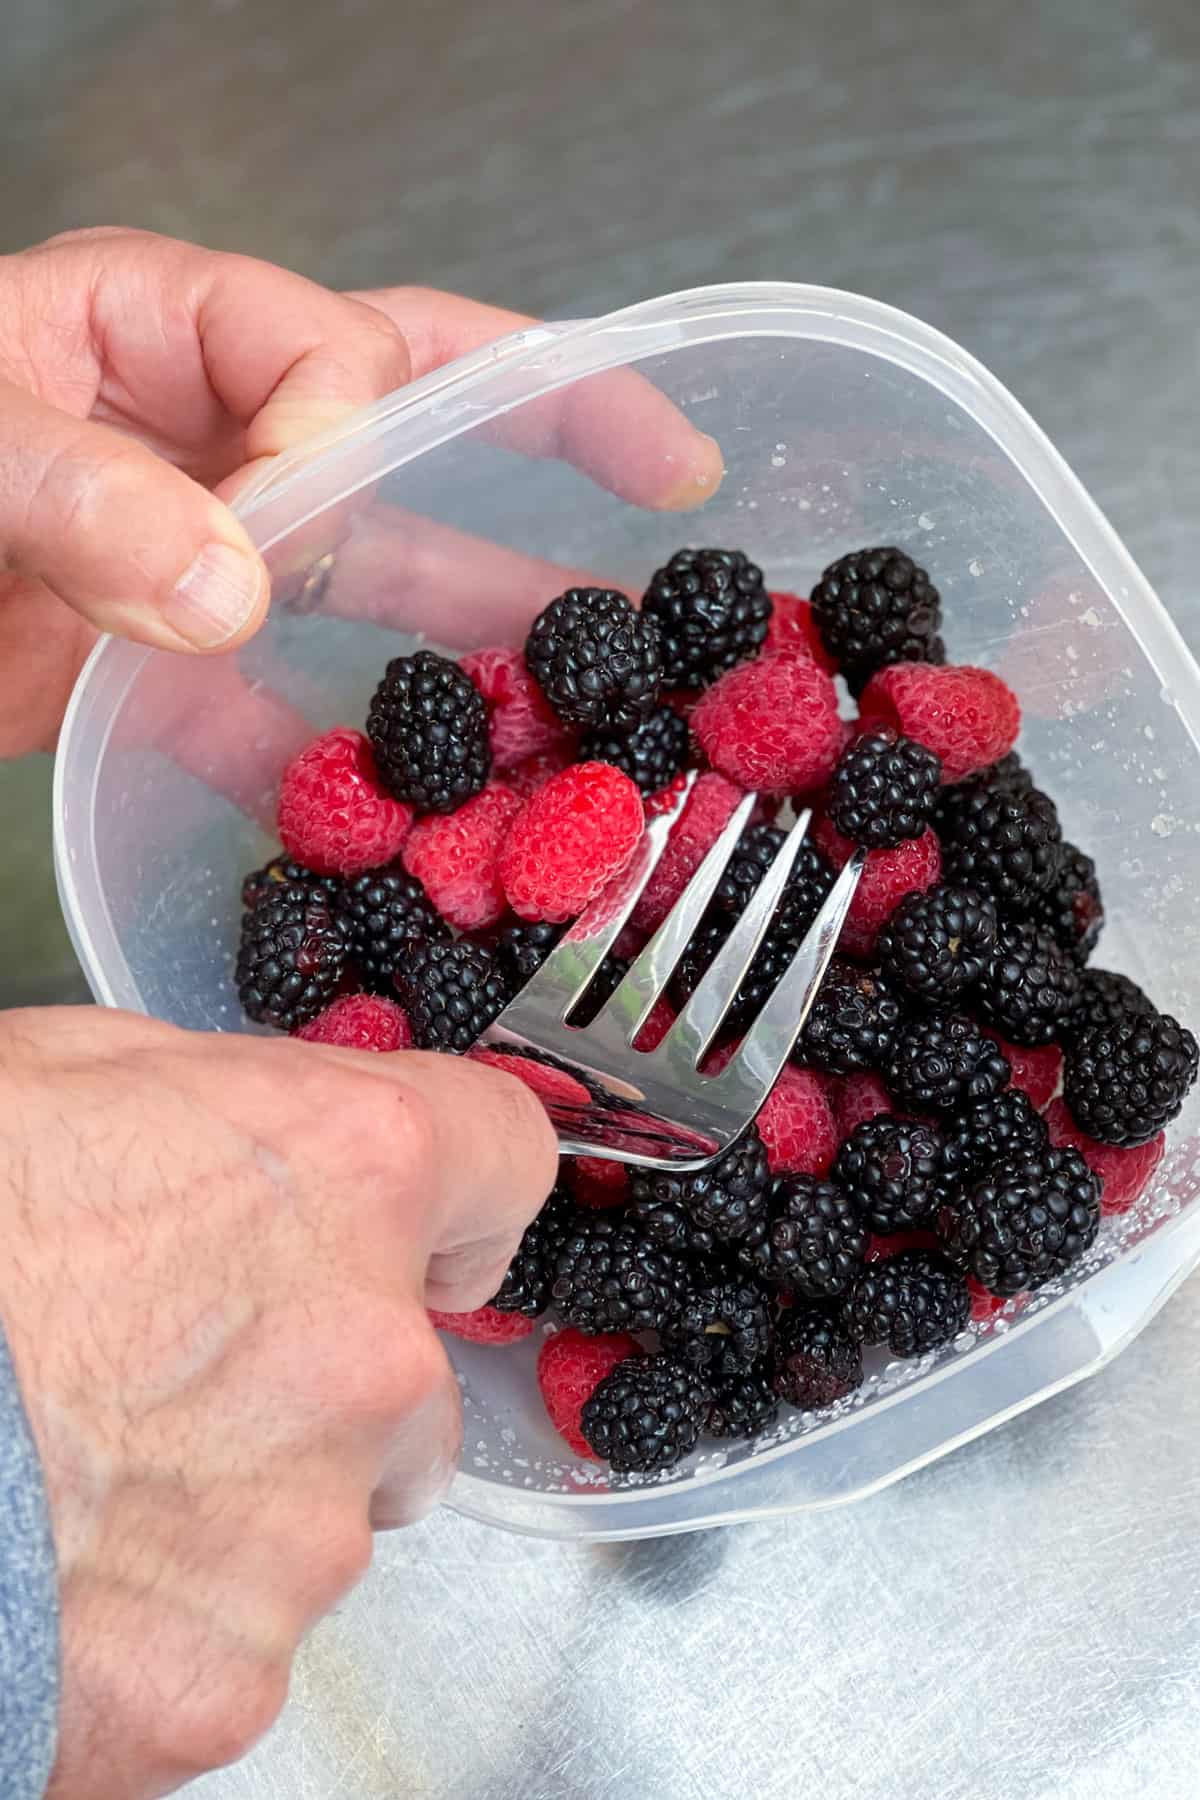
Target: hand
<point>216,1308</point>
<point>138,373</point>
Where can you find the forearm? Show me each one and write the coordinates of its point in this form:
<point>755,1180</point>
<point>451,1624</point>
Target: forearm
<point>28,1605</point>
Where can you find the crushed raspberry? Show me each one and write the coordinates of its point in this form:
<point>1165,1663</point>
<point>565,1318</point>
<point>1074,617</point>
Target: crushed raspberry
<point>520,721</point>
<point>360,1022</point>
<point>570,1367</point>
<point>880,1248</point>
<point>791,627</point>
<point>984,1304</point>
<point>483,1326</point>
<point>968,716</point>
<point>1037,1072</point>
<point>694,832</point>
<point>335,816</point>
<point>771,724</point>
<point>455,857</point>
<point>599,1182</point>
<point>888,875</point>
<point>1124,1174</point>
<point>569,840</point>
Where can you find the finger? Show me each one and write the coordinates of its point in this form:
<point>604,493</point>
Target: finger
<point>423,1454</point>
<point>617,427</point>
<point>129,542</point>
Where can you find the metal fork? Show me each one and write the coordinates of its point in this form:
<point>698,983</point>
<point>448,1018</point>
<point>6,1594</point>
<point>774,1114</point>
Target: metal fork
<point>655,1108</point>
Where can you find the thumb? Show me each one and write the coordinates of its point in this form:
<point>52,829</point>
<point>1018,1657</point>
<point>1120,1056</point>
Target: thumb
<point>120,535</point>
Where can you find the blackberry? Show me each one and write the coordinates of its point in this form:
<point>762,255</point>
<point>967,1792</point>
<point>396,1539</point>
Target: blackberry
<point>939,1064</point>
<point>816,1360</point>
<point>522,949</point>
<point>526,1285</point>
<point>1007,844</point>
<point>653,755</point>
<point>1106,998</point>
<point>893,1171</point>
<point>1123,1083</point>
<point>712,609</point>
<point>726,1199</point>
<point>597,660</point>
<point>451,993</point>
<point>1025,1222</point>
<point>805,890</point>
<point>936,944</point>
<point>281,870</point>
<point>1030,986</point>
<point>1009,775</point>
<point>428,726</point>
<point>292,957</point>
<point>607,1276</point>
<point>912,1302</point>
<point>814,1243</point>
<point>884,790</point>
<point>877,607</point>
<point>1073,911</point>
<point>990,1132</point>
<point>761,978</point>
<point>646,1415</point>
<point>725,1322</point>
<point>742,1405</point>
<point>385,911</point>
<point>670,1225</point>
<point>852,1021</point>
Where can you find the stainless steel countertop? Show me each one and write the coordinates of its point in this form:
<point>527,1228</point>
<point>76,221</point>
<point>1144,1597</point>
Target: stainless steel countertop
<point>1022,1619</point>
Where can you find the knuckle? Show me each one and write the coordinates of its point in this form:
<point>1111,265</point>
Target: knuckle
<point>220,1723</point>
<point>346,1559</point>
<point>399,1365</point>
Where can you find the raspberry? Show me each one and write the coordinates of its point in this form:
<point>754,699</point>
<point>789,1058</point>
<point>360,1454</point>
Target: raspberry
<point>570,1367</point>
<point>429,727</point>
<point>1030,986</point>
<point>984,1306</point>
<point>936,945</point>
<point>771,724</point>
<point>913,1302</point>
<point>816,1360</point>
<point>857,1098</point>
<point>597,661</point>
<point>455,856</point>
<point>360,1022</point>
<point>743,1404</point>
<point>483,1326</point>
<point>597,1182</point>
<point>1073,911</point>
<point>653,755</point>
<point>893,1171</point>
<point>569,840</point>
<point>852,1021</point>
<point>694,832</point>
<point>942,1064</point>
<point>796,1124</point>
<point>1124,1082</point>
<point>451,993</point>
<point>292,956</point>
<point>888,875</point>
<point>968,716</point>
<point>1025,1221</point>
<point>990,1132</point>
<point>1124,1175</point>
<point>1006,845</point>
<point>334,815</point>
<point>384,912</point>
<point>646,1415</point>
<point>792,627</point>
<point>726,1198</point>
<point>712,610</point>
<point>723,1324</point>
<point>881,1245</point>
<point>814,1243</point>
<point>520,721</point>
<point>883,790</point>
<point>1036,1071</point>
<point>606,1276</point>
<point>553,1087</point>
<point>528,776</point>
<point>876,607</point>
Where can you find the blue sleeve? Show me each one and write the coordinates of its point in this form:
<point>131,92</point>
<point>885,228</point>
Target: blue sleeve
<point>28,1605</point>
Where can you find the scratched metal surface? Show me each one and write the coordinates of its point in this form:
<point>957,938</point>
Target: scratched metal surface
<point>1022,1620</point>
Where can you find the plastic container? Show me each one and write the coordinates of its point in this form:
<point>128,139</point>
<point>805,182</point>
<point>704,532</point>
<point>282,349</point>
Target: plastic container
<point>841,422</point>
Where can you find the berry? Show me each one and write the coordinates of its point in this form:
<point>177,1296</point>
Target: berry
<point>483,1326</point>
<point>334,815</point>
<point>814,1242</point>
<point>607,1276</point>
<point>1072,911</point>
<point>280,870</point>
<point>520,722</point>
<point>936,944</point>
<point>876,607</point>
<point>913,1302</point>
<point>743,1404</point>
<point>597,1182</point>
<point>942,1064</point>
<point>1107,999</point>
<point>570,1367</point>
<point>771,725</point>
<point>1124,1082</point>
<point>528,776</point>
<point>805,890</point>
<point>455,857</point>
<point>451,993</point>
<point>596,659</point>
<point>526,1285</point>
<point>760,980</point>
<point>891,1243</point>
<point>816,1360</point>
<point>429,726</point>
<point>1025,1221</point>
<point>989,1132</point>
<point>292,957</point>
<point>712,610</point>
<point>852,1021</point>
<point>857,1098</point>
<point>553,1086</point>
<point>797,1125</point>
<point>722,1323</point>
<point>384,912</point>
<point>705,815</point>
<point>670,1225</point>
<point>569,840</point>
<point>653,755</point>
<point>646,1415</point>
<point>522,949</point>
<point>726,1198</point>
<point>792,627</point>
<point>1009,775</point>
<point>360,1022</point>
<point>969,717</point>
<point>1030,986</point>
<point>1124,1175</point>
<point>888,875</point>
<point>1005,845</point>
<point>1036,1070</point>
<point>883,790</point>
<point>892,1170</point>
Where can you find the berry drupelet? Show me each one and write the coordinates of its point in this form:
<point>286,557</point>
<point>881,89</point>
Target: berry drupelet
<point>712,610</point>
<point>1030,985</point>
<point>428,726</point>
<point>884,789</point>
<point>1009,845</point>
<point>652,755</point>
<point>281,871</point>
<point>1025,1221</point>
<point>646,1415</point>
<point>723,1322</point>
<point>893,1170</point>
<point>814,1242</point>
<point>385,911</point>
<point>451,993</point>
<point>942,1064</point>
<point>1124,1082</point>
<point>726,1199</point>
<point>742,1406</point>
<point>816,1360</point>
<point>526,1285</point>
<point>293,955</point>
<point>852,1022</point>
<point>936,945</point>
<point>607,1276</point>
<point>913,1302</point>
<point>876,607</point>
<point>597,660</point>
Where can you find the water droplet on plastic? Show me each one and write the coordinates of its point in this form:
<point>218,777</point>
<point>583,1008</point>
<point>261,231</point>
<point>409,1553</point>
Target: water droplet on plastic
<point>1166,696</point>
<point>1148,732</point>
<point>1090,618</point>
<point>925,522</point>
<point>1162,824</point>
<point>975,567</point>
<point>778,462</point>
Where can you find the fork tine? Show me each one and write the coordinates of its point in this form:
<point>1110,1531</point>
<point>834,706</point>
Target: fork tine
<point>700,1019</point>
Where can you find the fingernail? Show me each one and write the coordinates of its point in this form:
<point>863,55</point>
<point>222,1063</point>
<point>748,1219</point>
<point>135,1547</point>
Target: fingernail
<point>215,596</point>
<point>702,480</point>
